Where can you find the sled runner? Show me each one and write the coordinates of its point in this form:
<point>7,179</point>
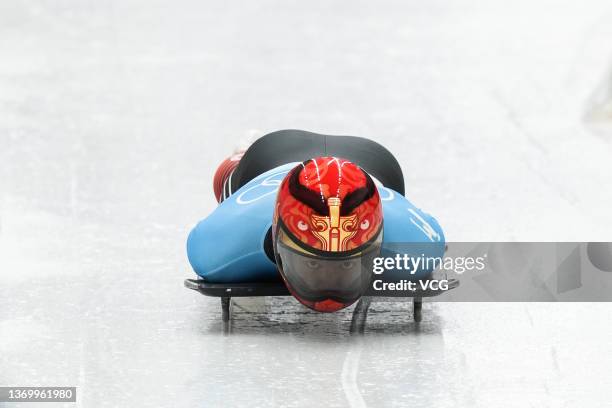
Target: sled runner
<point>226,291</point>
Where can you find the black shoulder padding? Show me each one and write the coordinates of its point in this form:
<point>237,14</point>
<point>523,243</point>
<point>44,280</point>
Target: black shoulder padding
<point>286,146</point>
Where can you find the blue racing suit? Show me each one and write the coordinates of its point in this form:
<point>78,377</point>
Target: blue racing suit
<point>228,245</point>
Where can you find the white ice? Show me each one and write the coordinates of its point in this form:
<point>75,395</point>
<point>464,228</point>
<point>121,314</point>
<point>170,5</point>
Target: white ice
<point>114,115</point>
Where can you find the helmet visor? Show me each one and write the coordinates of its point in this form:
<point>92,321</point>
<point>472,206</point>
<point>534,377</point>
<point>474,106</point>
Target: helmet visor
<point>316,278</point>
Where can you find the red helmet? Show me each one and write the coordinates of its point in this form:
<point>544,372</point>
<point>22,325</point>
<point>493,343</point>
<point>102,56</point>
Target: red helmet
<point>327,228</point>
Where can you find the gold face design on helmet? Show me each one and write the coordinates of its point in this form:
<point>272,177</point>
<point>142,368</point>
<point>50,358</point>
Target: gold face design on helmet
<point>334,231</point>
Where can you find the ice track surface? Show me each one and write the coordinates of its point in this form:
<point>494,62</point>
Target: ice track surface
<point>114,115</point>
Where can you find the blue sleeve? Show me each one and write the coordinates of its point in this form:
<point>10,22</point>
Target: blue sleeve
<point>407,229</point>
<point>228,245</point>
